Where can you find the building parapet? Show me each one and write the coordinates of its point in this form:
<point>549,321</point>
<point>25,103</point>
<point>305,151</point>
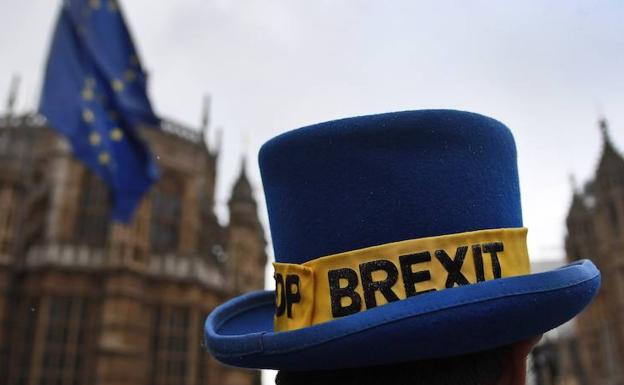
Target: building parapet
<point>181,131</point>
<point>176,267</point>
<point>34,119</point>
<point>29,119</point>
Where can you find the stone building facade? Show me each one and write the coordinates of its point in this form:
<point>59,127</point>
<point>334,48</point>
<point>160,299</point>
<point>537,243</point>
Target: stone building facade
<point>87,301</point>
<point>595,229</point>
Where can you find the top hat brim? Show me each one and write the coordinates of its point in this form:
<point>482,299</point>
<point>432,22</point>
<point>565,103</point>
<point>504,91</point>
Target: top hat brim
<point>446,323</point>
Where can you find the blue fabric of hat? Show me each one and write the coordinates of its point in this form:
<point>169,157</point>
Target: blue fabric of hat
<point>373,180</point>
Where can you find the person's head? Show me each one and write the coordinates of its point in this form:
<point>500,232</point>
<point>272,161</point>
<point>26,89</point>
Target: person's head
<point>501,366</point>
<point>398,238</point>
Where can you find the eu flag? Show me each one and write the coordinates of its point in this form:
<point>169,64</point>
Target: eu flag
<point>94,94</point>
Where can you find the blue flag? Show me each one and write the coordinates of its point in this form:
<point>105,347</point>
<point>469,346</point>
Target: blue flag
<point>94,94</point>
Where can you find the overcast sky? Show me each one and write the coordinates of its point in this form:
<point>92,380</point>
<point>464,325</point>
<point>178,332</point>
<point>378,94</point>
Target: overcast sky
<point>546,69</point>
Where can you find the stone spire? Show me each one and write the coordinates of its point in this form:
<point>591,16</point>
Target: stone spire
<point>604,129</point>
<point>12,96</point>
<point>242,204</point>
<point>611,166</point>
<point>205,118</point>
<point>242,190</point>
<point>246,243</point>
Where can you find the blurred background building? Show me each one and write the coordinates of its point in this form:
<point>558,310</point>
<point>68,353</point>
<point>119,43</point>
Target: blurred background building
<point>87,301</point>
<point>595,227</point>
<point>592,352</point>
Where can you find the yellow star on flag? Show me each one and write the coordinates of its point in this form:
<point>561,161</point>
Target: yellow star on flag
<point>116,134</point>
<point>87,94</point>
<point>88,116</point>
<point>95,139</point>
<point>103,157</point>
<point>117,85</point>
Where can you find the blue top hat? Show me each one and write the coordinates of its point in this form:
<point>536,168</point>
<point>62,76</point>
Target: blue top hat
<point>397,237</point>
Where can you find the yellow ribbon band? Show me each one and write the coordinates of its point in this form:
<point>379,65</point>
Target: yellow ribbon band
<point>338,285</point>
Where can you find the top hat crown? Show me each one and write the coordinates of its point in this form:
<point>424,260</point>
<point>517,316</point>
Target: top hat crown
<point>364,181</point>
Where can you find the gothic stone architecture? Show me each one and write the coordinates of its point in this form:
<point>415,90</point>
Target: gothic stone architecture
<point>86,301</point>
<point>595,225</point>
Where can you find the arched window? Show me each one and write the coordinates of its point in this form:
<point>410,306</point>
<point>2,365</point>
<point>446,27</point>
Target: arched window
<point>170,345</point>
<point>166,210</point>
<point>67,346</point>
<point>67,325</point>
<point>92,224</point>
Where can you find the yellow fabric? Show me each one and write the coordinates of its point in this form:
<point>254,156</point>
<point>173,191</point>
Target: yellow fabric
<point>308,299</point>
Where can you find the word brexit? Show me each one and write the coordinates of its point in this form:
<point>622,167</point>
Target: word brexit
<point>351,288</point>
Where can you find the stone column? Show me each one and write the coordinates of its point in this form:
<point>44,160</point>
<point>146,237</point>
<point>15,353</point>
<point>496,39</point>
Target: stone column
<point>123,344</point>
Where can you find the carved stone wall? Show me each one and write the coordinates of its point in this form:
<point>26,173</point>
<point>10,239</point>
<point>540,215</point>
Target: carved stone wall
<point>84,300</point>
<point>595,226</point>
